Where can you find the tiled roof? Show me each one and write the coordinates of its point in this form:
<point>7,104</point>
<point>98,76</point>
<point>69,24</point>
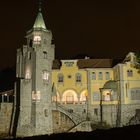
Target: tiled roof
<point>91,63</point>
<point>96,63</point>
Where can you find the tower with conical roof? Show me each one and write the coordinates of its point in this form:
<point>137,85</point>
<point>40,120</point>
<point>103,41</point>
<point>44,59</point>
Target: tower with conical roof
<point>33,107</point>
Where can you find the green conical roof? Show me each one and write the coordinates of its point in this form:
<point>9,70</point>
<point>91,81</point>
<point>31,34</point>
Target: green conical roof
<point>111,84</point>
<point>39,22</point>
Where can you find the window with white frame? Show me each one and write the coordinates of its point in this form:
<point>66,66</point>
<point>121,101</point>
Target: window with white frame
<point>129,73</point>
<point>107,76</point>
<point>100,76</point>
<point>93,76</point>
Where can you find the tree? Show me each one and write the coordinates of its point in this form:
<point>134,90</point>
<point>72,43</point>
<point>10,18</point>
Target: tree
<point>137,65</point>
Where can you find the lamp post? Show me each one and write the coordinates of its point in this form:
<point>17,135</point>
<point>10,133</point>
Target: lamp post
<point>101,107</point>
<point>88,95</point>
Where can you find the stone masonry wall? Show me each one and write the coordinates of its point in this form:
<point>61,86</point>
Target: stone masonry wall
<point>61,122</point>
<point>5,117</point>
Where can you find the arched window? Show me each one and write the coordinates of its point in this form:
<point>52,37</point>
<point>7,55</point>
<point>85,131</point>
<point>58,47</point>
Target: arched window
<point>60,78</point>
<point>129,73</point>
<point>107,76</point>
<point>100,76</point>
<point>78,77</point>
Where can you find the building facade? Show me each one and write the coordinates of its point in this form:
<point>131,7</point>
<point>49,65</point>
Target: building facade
<point>54,96</point>
<point>99,89</point>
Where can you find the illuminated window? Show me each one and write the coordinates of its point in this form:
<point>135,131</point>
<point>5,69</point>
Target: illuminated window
<point>45,75</point>
<point>93,76</point>
<point>37,39</point>
<point>60,78</point>
<point>33,96</point>
<point>36,96</point>
<point>100,76</point>
<point>78,77</point>
<point>28,75</point>
<point>69,98</point>
<point>107,75</point>
<point>129,73</point>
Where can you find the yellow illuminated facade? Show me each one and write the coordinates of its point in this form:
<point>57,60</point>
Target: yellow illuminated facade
<point>93,83</point>
<point>70,82</point>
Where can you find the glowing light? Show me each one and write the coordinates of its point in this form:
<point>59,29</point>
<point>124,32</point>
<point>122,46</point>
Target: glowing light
<point>37,39</point>
<point>45,75</point>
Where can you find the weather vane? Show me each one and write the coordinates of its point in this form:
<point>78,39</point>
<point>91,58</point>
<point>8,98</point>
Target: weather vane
<point>40,5</point>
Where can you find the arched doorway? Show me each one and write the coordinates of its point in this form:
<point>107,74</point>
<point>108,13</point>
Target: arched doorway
<point>69,97</point>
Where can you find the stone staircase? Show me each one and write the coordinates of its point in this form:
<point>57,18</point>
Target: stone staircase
<point>76,118</point>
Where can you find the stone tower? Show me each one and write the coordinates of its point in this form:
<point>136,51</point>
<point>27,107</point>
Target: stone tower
<point>33,107</point>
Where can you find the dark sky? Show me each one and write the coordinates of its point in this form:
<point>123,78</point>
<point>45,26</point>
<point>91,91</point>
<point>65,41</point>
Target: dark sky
<point>99,28</point>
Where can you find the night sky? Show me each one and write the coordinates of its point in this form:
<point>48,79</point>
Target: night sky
<point>98,28</point>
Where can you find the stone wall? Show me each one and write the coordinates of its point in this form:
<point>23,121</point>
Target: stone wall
<point>5,117</point>
<point>61,122</point>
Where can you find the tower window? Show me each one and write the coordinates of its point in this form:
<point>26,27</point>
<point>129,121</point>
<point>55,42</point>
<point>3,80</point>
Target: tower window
<point>36,96</point>
<point>28,75</point>
<point>45,55</point>
<point>37,39</point>
<point>45,75</point>
<point>78,77</point>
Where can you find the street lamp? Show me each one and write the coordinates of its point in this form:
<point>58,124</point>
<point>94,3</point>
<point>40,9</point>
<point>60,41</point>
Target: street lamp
<point>101,107</point>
